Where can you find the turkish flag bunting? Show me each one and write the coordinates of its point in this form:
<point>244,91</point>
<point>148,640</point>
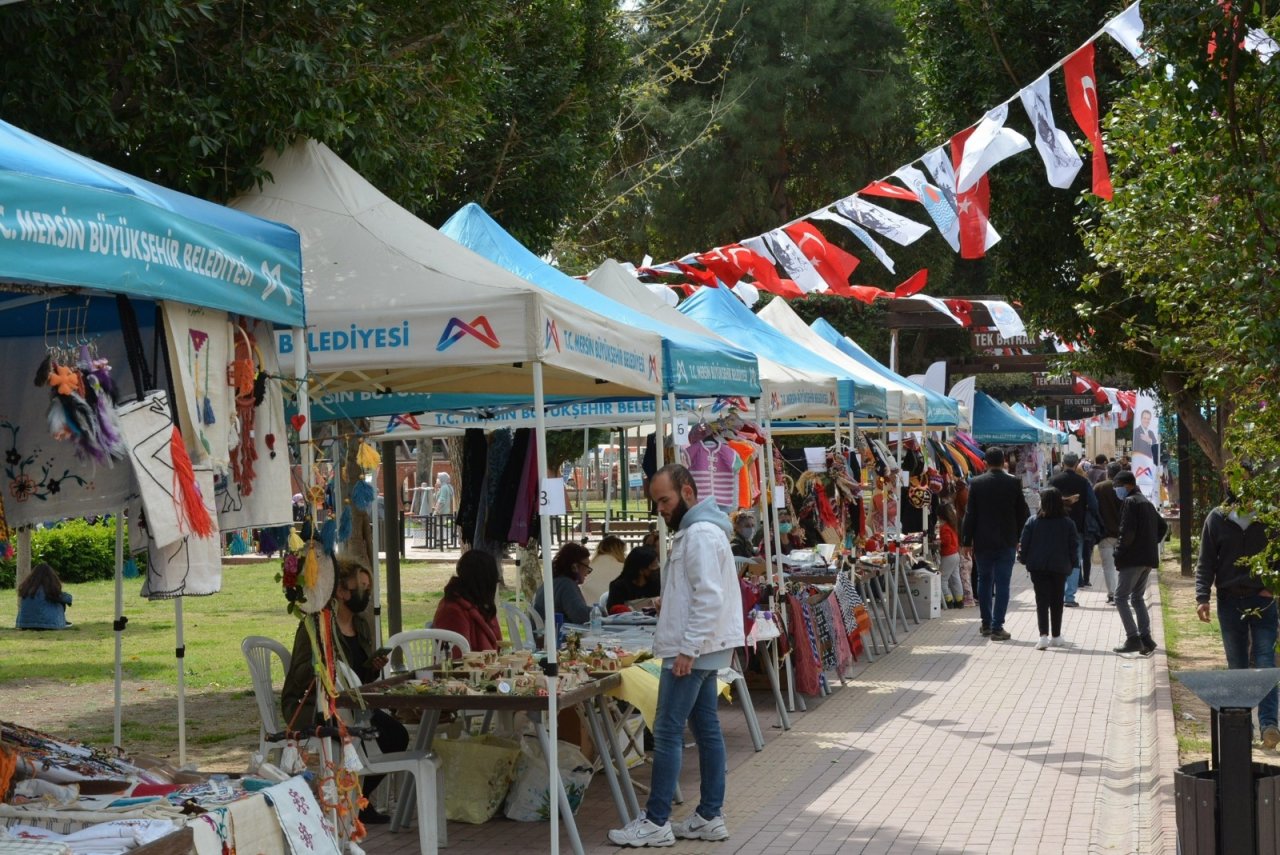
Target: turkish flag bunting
<point>914,285</point>
<point>962,309</point>
<point>702,277</point>
<point>722,265</point>
<point>889,191</point>
<point>833,264</point>
<point>1082,94</point>
<point>973,206</point>
<point>760,269</point>
<point>866,293</point>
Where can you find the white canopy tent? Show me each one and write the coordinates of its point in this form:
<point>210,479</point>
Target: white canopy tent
<point>792,393</point>
<point>905,405</point>
<point>395,305</point>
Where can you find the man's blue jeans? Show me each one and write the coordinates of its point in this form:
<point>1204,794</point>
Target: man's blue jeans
<point>689,699</point>
<point>1250,642</point>
<point>1073,581</point>
<point>995,570</point>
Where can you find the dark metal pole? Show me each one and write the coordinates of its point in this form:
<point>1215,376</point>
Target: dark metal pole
<point>1185,499</point>
<point>1235,781</point>
<point>390,531</point>
<point>624,471</point>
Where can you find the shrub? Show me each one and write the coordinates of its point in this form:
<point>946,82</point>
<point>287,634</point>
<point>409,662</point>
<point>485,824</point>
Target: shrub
<point>80,551</point>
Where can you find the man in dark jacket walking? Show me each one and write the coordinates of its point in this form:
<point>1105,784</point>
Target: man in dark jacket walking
<point>1137,552</point>
<point>1246,609</point>
<point>1109,514</point>
<point>1082,507</point>
<point>993,522</point>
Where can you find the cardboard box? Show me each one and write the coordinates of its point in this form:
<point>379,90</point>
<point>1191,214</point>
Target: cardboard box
<point>925,588</point>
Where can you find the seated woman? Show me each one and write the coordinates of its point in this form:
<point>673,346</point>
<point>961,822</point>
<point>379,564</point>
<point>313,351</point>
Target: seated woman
<point>570,566</point>
<point>605,567</point>
<point>467,607</point>
<point>297,701</point>
<point>640,578</point>
<point>42,604</point>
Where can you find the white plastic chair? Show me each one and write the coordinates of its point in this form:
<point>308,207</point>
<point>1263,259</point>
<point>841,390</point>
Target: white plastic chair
<point>422,648</point>
<point>519,627</point>
<point>428,776</point>
<point>258,651</point>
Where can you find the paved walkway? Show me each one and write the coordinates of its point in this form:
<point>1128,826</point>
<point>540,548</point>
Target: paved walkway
<point>950,744</point>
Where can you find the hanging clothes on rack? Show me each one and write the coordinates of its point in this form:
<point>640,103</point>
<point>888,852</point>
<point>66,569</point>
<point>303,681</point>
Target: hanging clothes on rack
<point>475,453</point>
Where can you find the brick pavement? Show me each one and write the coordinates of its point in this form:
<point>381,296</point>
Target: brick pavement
<point>950,744</point>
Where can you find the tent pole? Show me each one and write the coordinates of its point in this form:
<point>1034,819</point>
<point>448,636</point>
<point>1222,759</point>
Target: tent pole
<point>660,449</point>
<point>375,561</point>
<point>549,617</point>
<point>893,351</point>
<point>766,499</point>
<point>306,454</point>
<point>180,653</point>
<point>390,523</point>
<point>119,626</point>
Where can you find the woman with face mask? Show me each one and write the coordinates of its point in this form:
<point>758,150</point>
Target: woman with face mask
<point>745,543</point>
<point>355,637</point>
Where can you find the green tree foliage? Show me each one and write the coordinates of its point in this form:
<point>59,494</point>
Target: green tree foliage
<point>1192,234</point>
<point>506,101</point>
<point>549,120</point>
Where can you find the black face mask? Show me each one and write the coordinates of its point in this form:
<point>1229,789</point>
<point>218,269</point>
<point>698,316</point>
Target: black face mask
<point>358,602</point>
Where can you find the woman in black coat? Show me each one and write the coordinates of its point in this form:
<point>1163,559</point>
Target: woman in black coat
<point>1049,545</point>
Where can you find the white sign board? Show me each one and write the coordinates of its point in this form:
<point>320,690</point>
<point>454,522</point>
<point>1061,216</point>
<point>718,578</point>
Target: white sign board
<point>551,498</point>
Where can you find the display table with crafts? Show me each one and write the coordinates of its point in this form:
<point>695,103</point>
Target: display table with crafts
<point>506,689</point>
<point>60,797</point>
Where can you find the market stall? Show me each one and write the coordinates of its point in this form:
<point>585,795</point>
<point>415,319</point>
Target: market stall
<point>96,258</point>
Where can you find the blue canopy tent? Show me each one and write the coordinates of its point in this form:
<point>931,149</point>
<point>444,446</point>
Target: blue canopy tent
<point>941,410</point>
<point>692,364</point>
<point>718,310</point>
<point>67,222</point>
<point>75,235</point>
<point>993,422</point>
<point>1026,414</point>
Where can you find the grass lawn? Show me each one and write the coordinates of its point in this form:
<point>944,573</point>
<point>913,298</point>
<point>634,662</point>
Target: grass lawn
<point>63,681</point>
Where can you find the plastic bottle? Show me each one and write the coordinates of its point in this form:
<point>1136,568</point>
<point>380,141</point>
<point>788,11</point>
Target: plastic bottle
<point>597,619</point>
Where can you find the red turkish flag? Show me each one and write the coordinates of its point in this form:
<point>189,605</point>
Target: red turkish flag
<point>702,277</point>
<point>1082,94</point>
<point>719,263</point>
<point>889,191</point>
<point>761,270</point>
<point>866,293</point>
<point>973,206</point>
<point>962,309</point>
<point>914,285</point>
<point>833,264</point>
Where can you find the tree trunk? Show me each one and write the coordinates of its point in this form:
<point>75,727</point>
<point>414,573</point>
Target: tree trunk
<point>1201,429</point>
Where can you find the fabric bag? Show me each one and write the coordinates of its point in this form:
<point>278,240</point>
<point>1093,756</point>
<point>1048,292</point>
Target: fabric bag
<point>479,771</point>
<point>530,797</point>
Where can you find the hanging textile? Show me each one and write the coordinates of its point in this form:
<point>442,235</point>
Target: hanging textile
<point>268,503</point>
<point>824,632</point>
<point>187,567</point>
<point>804,652</point>
<point>44,479</point>
<point>199,353</point>
<point>845,653</point>
<point>475,451</point>
<point>525,512</point>
<point>513,450</point>
<point>495,461</point>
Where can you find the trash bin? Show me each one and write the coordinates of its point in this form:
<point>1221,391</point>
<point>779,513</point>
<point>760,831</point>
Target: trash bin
<point>1230,804</point>
<point>1195,789</point>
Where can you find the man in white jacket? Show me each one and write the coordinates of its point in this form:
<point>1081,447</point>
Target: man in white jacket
<point>699,626</point>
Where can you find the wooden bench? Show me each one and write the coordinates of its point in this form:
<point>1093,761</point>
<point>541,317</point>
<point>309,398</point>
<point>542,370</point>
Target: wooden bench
<point>631,531</point>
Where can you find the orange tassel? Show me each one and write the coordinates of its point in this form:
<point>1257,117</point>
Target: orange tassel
<point>186,492</point>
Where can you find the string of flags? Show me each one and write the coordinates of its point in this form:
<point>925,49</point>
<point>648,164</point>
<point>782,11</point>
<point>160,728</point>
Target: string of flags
<point>798,259</point>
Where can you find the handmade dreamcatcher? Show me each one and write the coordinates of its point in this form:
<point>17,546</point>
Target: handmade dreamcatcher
<point>248,382</point>
<point>82,403</point>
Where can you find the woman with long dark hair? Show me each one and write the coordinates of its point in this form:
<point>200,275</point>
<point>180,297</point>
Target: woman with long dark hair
<point>42,604</point>
<point>468,606</point>
<point>1048,548</point>
<point>568,569</point>
<point>639,578</point>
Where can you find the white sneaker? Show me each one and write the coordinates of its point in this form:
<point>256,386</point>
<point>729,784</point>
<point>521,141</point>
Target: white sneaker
<point>1043,643</point>
<point>695,827</point>
<point>641,832</point>
<point>1058,641</point>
